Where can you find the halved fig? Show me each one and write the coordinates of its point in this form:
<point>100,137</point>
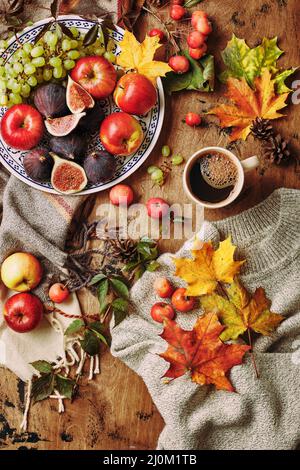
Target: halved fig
<point>63,125</point>
<point>67,177</point>
<point>78,99</point>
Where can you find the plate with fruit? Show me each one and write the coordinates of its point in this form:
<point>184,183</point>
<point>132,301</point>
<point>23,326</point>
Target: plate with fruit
<point>71,121</point>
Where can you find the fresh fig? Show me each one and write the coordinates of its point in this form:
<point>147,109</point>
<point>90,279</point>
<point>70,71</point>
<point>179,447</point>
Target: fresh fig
<point>70,146</point>
<point>63,125</point>
<point>67,177</point>
<point>38,164</point>
<point>92,120</point>
<point>50,100</point>
<point>99,166</point>
<point>78,99</point>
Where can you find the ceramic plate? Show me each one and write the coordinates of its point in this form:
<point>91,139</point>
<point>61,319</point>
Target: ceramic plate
<point>151,124</point>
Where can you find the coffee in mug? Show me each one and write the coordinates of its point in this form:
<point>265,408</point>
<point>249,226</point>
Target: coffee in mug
<point>213,177</point>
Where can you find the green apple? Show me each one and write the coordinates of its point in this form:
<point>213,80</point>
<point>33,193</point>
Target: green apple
<point>21,272</point>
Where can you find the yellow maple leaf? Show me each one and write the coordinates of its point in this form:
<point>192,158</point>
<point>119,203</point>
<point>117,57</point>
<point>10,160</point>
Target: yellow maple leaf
<point>248,104</point>
<point>208,267</point>
<point>241,311</point>
<point>139,56</point>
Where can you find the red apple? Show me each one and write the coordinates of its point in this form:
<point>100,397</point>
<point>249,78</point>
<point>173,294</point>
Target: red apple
<point>58,293</point>
<point>135,94</point>
<point>121,195</point>
<point>161,310</point>
<point>96,75</point>
<point>163,287</point>
<point>157,208</point>
<point>22,127</point>
<point>23,312</point>
<point>21,272</point>
<point>121,134</point>
<point>182,302</point>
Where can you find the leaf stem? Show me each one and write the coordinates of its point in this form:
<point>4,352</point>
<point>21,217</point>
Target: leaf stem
<point>169,34</point>
<point>252,354</point>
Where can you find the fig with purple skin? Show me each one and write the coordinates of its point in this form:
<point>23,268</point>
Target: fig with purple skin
<point>38,164</point>
<point>72,146</point>
<point>99,166</point>
<point>50,100</point>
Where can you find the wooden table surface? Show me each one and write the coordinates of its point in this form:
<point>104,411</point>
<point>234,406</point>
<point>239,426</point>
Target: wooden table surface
<point>115,411</point>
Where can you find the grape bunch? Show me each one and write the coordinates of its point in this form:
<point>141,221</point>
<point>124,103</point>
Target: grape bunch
<point>50,59</point>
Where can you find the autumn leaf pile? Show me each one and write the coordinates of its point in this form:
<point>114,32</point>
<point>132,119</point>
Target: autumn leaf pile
<point>255,85</point>
<point>229,313</point>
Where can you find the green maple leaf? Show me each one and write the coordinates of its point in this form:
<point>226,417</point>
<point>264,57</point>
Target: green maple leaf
<point>244,62</point>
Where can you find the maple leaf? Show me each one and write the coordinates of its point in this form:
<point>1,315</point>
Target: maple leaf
<point>201,352</point>
<point>242,312</point>
<point>248,104</point>
<point>208,267</point>
<point>241,61</point>
<point>139,56</point>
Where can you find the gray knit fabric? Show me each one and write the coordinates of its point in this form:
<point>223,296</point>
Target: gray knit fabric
<point>265,412</point>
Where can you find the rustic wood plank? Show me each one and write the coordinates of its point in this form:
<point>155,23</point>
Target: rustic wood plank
<point>115,411</point>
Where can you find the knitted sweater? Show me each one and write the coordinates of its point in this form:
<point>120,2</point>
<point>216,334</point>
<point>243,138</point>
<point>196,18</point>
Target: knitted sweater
<point>265,412</point>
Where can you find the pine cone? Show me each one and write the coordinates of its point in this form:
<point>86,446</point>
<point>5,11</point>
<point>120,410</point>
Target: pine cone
<point>262,129</point>
<point>276,150</point>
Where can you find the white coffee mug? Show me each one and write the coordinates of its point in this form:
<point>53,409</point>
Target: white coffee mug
<point>242,167</point>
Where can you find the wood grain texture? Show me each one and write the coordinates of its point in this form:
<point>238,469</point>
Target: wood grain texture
<point>115,411</point>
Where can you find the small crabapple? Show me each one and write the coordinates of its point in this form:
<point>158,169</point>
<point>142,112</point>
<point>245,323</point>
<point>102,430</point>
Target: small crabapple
<point>193,119</point>
<point>157,32</point>
<point>195,39</point>
<point>179,63</point>
<point>177,12</point>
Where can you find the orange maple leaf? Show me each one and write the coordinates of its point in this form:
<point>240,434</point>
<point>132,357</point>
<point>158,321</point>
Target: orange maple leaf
<point>249,104</point>
<point>201,352</point>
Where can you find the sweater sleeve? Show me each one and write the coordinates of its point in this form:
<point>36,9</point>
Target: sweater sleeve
<point>263,414</point>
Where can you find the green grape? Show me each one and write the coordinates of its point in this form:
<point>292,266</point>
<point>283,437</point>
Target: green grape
<point>26,60</point>
<point>50,39</point>
<point>73,55</point>
<point>15,98</point>
<point>151,169</point>
<point>16,88</point>
<point>8,68</point>
<point>47,74</point>
<point>25,90</point>
<point>69,64</point>
<point>157,175</point>
<point>55,61</point>
<point>38,62</point>
<point>57,72</point>
<point>20,54</point>
<point>74,44</point>
<point>39,75</point>
<point>166,151</point>
<point>66,45</point>
<point>177,160</point>
<point>27,48</point>
<point>110,57</point>
<point>32,81</point>
<point>3,84</point>
<point>18,67</point>
<point>29,69</point>
<point>3,44</point>
<point>2,71</point>
<point>11,83</point>
<point>3,100</point>
<point>99,51</point>
<point>37,51</point>
<point>75,32</point>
